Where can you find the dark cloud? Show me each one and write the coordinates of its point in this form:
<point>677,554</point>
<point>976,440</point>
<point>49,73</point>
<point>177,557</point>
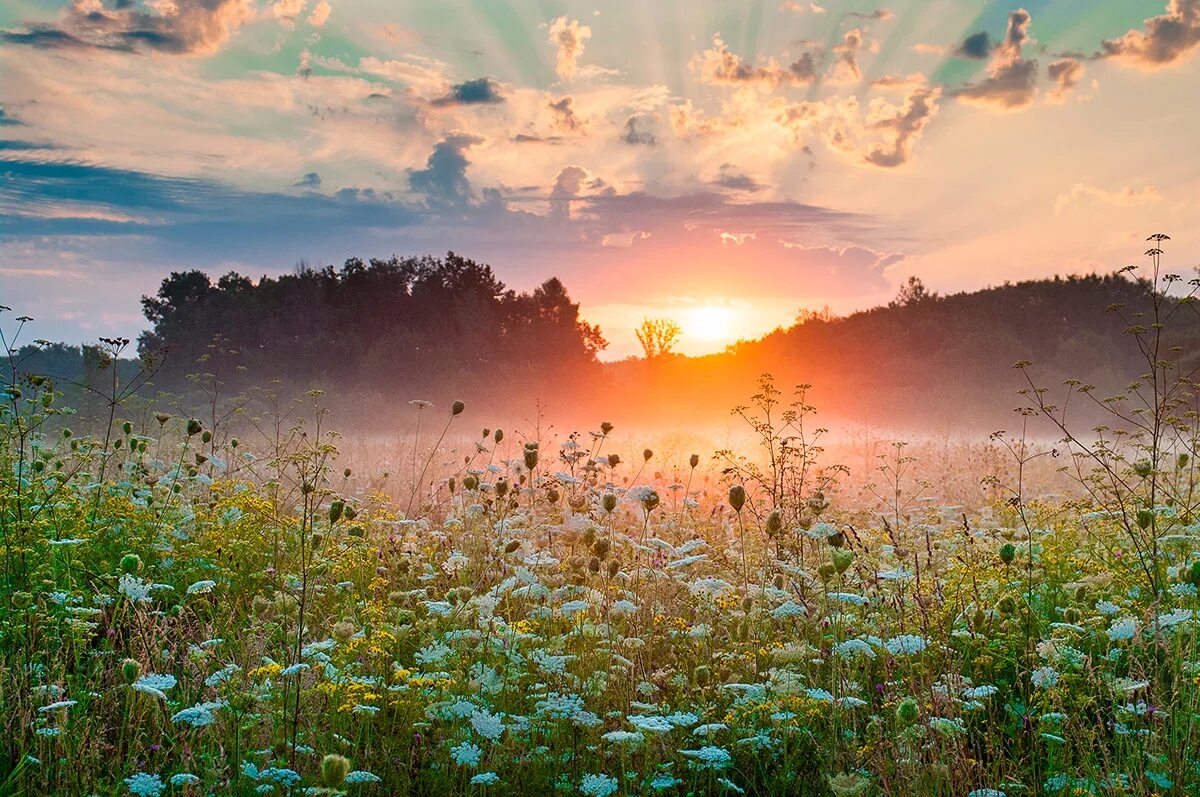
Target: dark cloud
<point>565,118</point>
<point>636,132</point>
<point>443,181</point>
<point>197,27</point>
<point>719,65</point>
<point>529,138</point>
<point>976,46</point>
<point>903,128</point>
<point>481,91</point>
<point>1165,39</point>
<point>310,180</point>
<point>6,120</point>
<point>1065,73</point>
<point>880,14</point>
<point>730,177</point>
<point>1012,80</point>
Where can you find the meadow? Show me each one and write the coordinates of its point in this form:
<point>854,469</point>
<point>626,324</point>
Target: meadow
<point>237,608</point>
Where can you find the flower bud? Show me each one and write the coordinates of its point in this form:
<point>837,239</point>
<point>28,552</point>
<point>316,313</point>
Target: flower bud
<point>609,502</point>
<point>334,769</point>
<point>130,670</point>
<point>1008,552</point>
<point>737,497</point>
<point>908,711</point>
<point>193,427</point>
<point>457,408</point>
<point>694,460</point>
<point>131,563</point>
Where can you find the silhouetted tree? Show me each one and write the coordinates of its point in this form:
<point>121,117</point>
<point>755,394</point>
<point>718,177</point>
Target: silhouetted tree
<point>657,336</point>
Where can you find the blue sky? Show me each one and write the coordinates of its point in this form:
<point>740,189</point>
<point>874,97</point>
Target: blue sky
<point>724,164</point>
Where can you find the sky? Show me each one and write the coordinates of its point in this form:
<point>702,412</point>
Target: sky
<point>724,164</point>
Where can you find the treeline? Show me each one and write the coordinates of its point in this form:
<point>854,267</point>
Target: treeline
<point>929,361</point>
<point>378,332</point>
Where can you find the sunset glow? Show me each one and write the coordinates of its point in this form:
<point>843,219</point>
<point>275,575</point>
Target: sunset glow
<point>785,155</point>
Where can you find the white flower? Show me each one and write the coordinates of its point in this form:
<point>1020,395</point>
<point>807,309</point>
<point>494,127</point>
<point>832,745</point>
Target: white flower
<point>487,725</point>
<point>467,754</point>
<point>485,779</point>
<point>144,784</point>
<point>361,776</point>
<point>905,645</point>
<point>709,757</point>
<point>1044,677</point>
<point>201,587</point>
<point>1125,628</point>
<point>597,785</point>
<point>134,588</point>
<point>650,724</point>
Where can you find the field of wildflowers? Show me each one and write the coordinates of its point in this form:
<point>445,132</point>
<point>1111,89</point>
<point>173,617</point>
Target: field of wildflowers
<point>187,612</point>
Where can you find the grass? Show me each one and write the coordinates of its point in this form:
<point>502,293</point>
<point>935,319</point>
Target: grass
<point>208,619</point>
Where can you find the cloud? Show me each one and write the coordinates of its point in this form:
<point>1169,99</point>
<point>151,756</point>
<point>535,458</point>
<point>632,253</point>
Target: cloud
<point>977,46</point>
<point>183,27</point>
<point>568,38</point>
<point>7,120</point>
<point>566,187</point>
<point>718,65</point>
<point>845,68</point>
<point>481,91</point>
<point>1123,197</point>
<point>903,127</point>
<point>310,180</point>
<point>1012,80</point>
<point>288,9</point>
<point>1065,72</point>
<point>320,14</point>
<point>1166,39</point>
<point>565,118</point>
<point>793,5</point>
<point>881,14</point>
<point>636,132</point>
<point>891,81</point>
<point>443,181</point>
<point>732,178</point>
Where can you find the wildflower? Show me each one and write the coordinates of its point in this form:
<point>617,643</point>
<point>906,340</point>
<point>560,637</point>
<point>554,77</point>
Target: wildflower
<point>61,704</point>
<point>598,785</point>
<point>624,737</point>
<point>134,588</point>
<point>1123,629</point>
<point>197,716</point>
<point>664,780</point>
<point>908,711</point>
<point>1044,677</point>
<point>853,647</point>
<point>487,725</point>
<point>651,724</point>
<point>848,784</point>
<point>201,587</point>
<point>485,779</point>
<point>156,682</point>
<point>183,779</point>
<point>905,645</point>
<point>467,754</point>
<point>709,757</point>
<point>987,793</point>
<point>144,784</point>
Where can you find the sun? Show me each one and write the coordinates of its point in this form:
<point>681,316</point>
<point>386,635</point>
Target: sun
<point>708,323</point>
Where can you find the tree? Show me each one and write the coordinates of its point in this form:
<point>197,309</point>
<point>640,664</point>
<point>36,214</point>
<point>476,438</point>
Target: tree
<point>912,292</point>
<point>658,336</point>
